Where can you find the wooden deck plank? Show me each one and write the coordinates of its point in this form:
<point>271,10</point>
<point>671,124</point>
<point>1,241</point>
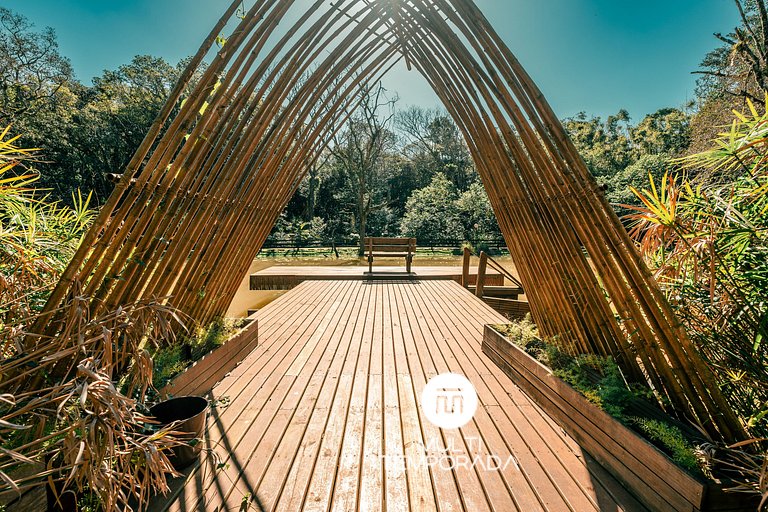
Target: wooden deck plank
<point>420,490</point>
<point>298,480</point>
<point>546,429</point>
<point>325,413</point>
<point>459,442</point>
<point>372,467</point>
<point>529,431</point>
<point>524,492</point>
<point>300,401</point>
<point>396,482</point>
<point>570,492</point>
<point>320,492</point>
<point>347,484</point>
<point>475,492</point>
<point>446,491</point>
<point>251,395</point>
<point>252,410</point>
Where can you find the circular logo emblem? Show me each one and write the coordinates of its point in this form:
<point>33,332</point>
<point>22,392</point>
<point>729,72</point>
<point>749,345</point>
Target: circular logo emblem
<point>449,400</point>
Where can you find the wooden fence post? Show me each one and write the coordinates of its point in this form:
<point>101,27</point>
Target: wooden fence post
<point>481,274</point>
<point>465,268</point>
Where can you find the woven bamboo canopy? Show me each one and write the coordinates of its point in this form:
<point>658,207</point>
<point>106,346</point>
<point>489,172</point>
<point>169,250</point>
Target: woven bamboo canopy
<point>203,191</point>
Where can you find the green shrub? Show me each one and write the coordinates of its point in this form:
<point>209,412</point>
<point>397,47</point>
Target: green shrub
<point>38,237</point>
<point>170,361</point>
<point>601,382</point>
<point>702,232</point>
<point>671,440</point>
<point>597,378</point>
<point>525,334</point>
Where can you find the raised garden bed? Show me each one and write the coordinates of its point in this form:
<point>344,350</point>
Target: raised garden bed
<point>647,472</point>
<point>200,378</point>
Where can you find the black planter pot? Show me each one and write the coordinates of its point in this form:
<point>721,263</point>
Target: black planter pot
<point>59,501</point>
<point>190,411</point>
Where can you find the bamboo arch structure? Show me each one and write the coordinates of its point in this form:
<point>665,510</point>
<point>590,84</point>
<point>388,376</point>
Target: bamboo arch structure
<point>201,194</point>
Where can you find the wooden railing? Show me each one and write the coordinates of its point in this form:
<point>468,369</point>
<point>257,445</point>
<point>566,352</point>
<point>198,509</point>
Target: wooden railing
<point>503,299</point>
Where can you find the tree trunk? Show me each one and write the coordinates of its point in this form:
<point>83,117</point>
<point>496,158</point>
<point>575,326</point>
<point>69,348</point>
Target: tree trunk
<point>363,220</point>
<point>311,200</point>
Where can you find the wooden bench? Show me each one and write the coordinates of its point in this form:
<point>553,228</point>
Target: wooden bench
<point>390,248</point>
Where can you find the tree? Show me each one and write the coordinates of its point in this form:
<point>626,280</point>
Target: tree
<point>431,213</point>
<point>619,187</point>
<point>435,145</point>
<point>476,214</point>
<point>739,67</point>
<point>104,130</point>
<point>34,77</point>
<point>605,146</point>
<point>668,130</point>
<point>84,132</point>
<point>735,71</point>
<point>363,151</point>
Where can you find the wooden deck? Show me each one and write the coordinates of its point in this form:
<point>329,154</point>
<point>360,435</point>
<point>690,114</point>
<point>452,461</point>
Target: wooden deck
<point>324,414</point>
<point>284,277</point>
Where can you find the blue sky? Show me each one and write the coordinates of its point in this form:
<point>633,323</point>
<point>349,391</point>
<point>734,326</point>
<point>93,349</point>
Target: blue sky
<point>595,56</point>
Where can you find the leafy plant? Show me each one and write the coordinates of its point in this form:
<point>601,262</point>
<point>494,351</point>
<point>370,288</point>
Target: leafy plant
<point>747,468</point>
<point>671,439</point>
<point>600,381</point>
<point>707,244</point>
<point>525,334</point>
<point>706,239</point>
<point>60,409</point>
<point>37,237</point>
<point>61,406</point>
<point>597,378</point>
<point>170,360</point>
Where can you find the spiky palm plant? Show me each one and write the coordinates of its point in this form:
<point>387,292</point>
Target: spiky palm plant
<point>704,232</point>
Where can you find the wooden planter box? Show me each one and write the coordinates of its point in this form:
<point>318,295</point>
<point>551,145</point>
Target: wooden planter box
<point>648,473</point>
<point>200,378</point>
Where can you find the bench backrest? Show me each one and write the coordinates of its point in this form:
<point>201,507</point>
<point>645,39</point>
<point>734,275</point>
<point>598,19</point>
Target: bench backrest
<point>383,244</point>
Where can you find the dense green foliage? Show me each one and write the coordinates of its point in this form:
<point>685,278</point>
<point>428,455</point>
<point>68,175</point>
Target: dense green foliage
<point>391,172</point>
<point>171,360</point>
<point>430,212</point>
<point>621,155</point>
<point>38,236</point>
<point>707,245</point>
<point>671,438</point>
<point>85,132</point>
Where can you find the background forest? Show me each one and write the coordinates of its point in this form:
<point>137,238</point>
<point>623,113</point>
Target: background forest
<point>393,169</point>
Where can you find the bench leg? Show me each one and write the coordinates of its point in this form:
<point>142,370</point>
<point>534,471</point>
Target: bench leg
<point>370,264</point>
<point>408,260</point>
